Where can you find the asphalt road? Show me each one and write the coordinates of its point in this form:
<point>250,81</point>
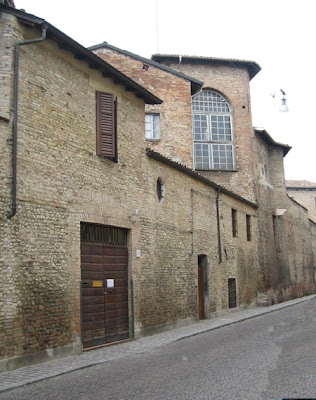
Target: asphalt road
<point>269,357</point>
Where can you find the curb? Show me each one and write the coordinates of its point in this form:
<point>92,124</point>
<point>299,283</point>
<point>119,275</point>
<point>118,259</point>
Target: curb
<point>31,374</point>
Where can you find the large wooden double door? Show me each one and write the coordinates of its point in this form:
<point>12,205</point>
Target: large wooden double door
<point>104,276</point>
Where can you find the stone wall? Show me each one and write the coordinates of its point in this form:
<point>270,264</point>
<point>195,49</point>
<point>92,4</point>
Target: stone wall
<point>285,257</point>
<point>173,235</point>
<point>297,277</point>
<point>267,218</point>
<point>312,226</point>
<point>61,183</point>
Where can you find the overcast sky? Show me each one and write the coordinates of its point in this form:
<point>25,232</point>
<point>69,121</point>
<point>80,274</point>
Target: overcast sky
<point>277,34</point>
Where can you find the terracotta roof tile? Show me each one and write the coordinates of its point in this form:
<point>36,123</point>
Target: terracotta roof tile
<point>300,184</point>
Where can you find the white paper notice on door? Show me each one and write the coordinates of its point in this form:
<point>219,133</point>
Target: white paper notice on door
<point>110,283</point>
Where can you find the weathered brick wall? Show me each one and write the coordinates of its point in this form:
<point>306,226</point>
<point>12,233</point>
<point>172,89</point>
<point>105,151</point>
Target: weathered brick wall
<point>285,257</point>
<point>297,245</point>
<point>175,111</point>
<point>233,83</point>
<point>8,37</point>
<point>278,177</point>
<point>176,115</point>
<point>172,238</point>
<point>312,227</point>
<point>307,198</point>
<point>239,259</point>
<point>267,236</point>
<point>61,183</point>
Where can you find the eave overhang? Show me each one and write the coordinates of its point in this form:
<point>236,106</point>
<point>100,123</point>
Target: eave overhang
<point>81,53</point>
<point>188,171</point>
<point>252,67</point>
<point>196,85</point>
<point>263,134</point>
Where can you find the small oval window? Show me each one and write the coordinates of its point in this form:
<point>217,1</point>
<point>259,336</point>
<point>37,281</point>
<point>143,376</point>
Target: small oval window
<point>161,190</point>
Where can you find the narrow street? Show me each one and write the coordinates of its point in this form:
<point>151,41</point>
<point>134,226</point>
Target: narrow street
<point>268,357</point>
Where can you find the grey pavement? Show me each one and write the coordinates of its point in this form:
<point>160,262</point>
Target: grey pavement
<point>27,375</point>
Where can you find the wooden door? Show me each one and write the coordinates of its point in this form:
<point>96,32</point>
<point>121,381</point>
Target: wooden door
<point>104,294</point>
<point>116,297</point>
<point>201,292</point>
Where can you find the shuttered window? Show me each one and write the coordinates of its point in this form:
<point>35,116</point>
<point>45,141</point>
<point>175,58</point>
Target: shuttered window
<point>106,125</point>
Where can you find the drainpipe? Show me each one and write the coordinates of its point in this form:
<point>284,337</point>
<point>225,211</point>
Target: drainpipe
<point>133,310</point>
<point>218,228</point>
<point>192,222</point>
<point>15,115</point>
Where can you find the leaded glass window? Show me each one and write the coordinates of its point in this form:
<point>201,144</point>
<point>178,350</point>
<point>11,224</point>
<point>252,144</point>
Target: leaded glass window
<point>212,132</point>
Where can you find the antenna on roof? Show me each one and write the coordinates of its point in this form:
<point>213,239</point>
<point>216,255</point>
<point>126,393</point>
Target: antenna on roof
<point>157,25</point>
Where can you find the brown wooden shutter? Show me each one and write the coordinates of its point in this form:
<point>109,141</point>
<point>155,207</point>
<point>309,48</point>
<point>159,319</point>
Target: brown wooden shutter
<point>106,125</point>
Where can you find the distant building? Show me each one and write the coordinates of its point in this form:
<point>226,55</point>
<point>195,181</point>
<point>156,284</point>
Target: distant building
<point>304,192</point>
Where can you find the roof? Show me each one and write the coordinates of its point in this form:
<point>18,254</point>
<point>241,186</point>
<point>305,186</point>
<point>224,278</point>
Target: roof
<point>81,53</point>
<point>263,134</point>
<point>307,185</point>
<point>196,85</point>
<point>253,67</point>
<point>159,157</point>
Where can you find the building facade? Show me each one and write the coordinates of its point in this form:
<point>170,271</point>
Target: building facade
<point>105,235</point>
<point>226,149</point>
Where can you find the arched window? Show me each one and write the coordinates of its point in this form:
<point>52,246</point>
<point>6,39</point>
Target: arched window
<point>212,132</point>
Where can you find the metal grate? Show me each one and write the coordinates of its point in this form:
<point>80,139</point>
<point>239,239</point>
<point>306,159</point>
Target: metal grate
<point>232,298</point>
<point>248,227</point>
<point>93,233</point>
<point>234,222</point>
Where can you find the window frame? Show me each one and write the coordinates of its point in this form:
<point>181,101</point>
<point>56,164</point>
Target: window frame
<point>152,115</point>
<point>209,144</point>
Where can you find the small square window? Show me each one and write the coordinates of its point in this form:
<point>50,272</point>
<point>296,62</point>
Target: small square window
<point>152,126</point>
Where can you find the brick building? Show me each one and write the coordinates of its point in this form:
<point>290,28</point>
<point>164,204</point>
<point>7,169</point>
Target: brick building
<point>228,150</point>
<point>286,256</point>
<point>304,192</point>
<point>105,235</point>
